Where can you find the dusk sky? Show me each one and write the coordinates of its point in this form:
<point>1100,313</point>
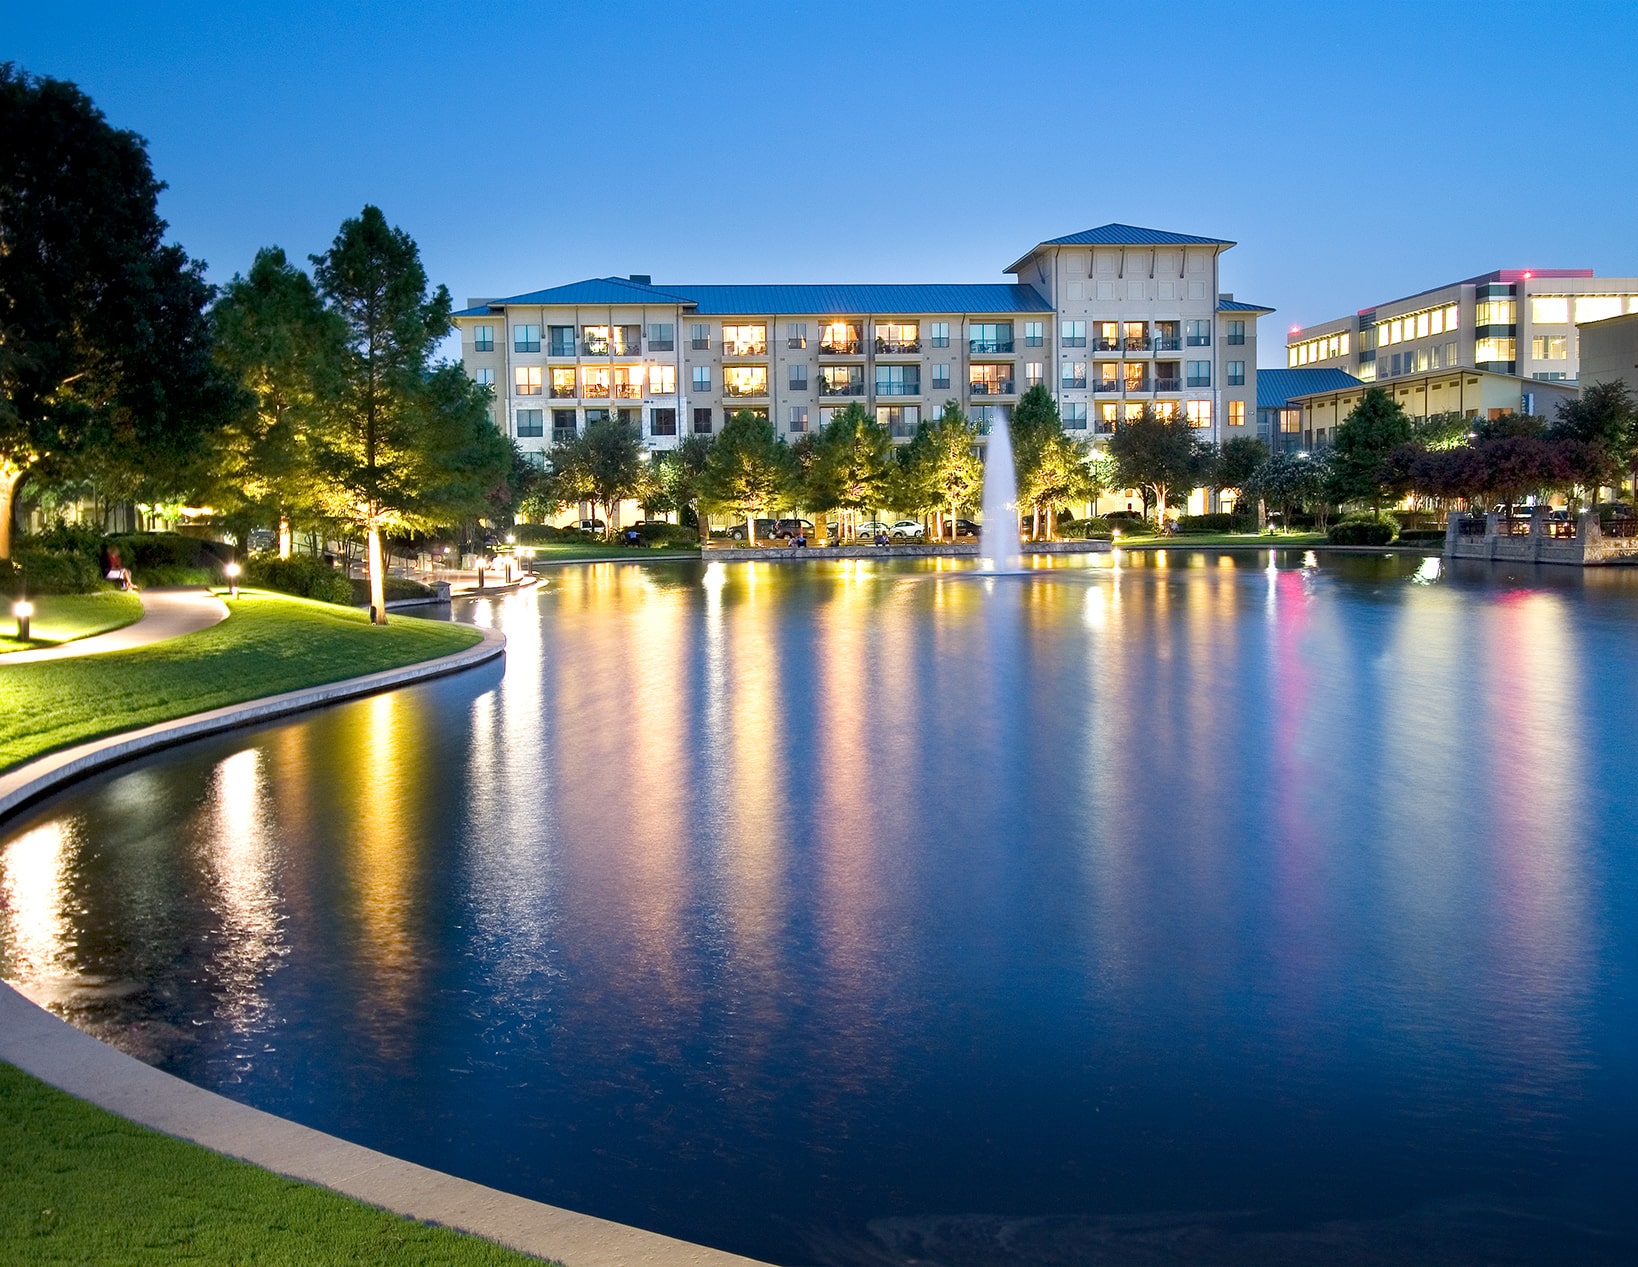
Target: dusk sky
<point>1355,153</point>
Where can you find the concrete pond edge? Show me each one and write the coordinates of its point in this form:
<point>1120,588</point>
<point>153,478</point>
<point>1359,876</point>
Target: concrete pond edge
<point>52,1050</point>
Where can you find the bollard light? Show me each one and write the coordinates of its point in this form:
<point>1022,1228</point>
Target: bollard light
<point>22,609</point>
<point>232,570</point>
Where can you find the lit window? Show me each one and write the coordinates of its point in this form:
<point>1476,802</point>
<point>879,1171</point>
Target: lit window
<point>1422,325</point>
<point>1493,350</point>
<point>525,338</point>
<point>898,337</point>
<point>1549,310</point>
<point>628,382</point>
<point>1237,413</point>
<point>1199,413</point>
<point>1452,317</point>
<point>744,380</point>
<point>662,380</point>
<point>594,383</point>
<point>1345,343</point>
<point>563,383</point>
<point>839,337</point>
<point>745,340</point>
<point>1552,347</point>
<point>483,338</point>
<point>1291,355</point>
<point>1596,307</point>
<point>526,380</point>
<point>594,340</point>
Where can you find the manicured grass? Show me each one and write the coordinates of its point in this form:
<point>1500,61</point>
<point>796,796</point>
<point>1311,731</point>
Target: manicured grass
<point>1254,540</point>
<point>80,1185</point>
<point>595,548</point>
<point>65,617</point>
<point>271,643</point>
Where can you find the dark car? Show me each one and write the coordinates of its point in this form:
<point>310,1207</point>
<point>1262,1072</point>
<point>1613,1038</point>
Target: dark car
<point>963,528</point>
<point>785,529</point>
<point>764,530</point>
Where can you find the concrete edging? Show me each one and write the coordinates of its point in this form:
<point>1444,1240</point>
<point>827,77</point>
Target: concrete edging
<point>912,550</point>
<point>54,1051</point>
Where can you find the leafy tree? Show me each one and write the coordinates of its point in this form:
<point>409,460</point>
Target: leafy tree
<point>382,457</point>
<point>1371,431</point>
<point>693,456</point>
<point>1034,430</point>
<point>274,336</point>
<point>1603,419</point>
<point>747,469</point>
<point>1159,454</point>
<point>943,467</point>
<point>603,464</point>
<point>1059,471</point>
<point>1511,466</point>
<point>852,462</point>
<point>105,360</point>
<point>1233,462</point>
<point>1446,430</point>
<point>1288,480</point>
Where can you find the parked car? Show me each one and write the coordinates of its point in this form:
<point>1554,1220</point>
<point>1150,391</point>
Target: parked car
<point>963,528</point>
<point>785,529</point>
<point>870,531</point>
<point>591,525</point>
<point>764,530</point>
<point>907,530</point>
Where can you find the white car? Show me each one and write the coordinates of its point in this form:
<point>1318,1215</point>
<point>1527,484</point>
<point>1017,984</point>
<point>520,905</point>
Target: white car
<point>907,529</point>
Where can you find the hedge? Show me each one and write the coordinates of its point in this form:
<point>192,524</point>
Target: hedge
<point>48,572</point>
<point>1217,521</point>
<point>304,577</point>
<point>1361,532</point>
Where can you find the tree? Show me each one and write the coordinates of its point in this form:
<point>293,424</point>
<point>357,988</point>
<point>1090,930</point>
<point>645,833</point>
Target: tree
<point>274,336</point>
<point>380,458</point>
<point>105,361</point>
<point>603,464</point>
<point>852,462</point>
<point>1447,430</point>
<point>1288,480</point>
<point>1371,431</point>
<point>1059,471</point>
<point>693,456</point>
<point>1511,466</point>
<point>1034,430</point>
<point>943,466</point>
<point>747,469</point>
<point>1234,462</point>
<point>1157,453</point>
<point>1604,420</point>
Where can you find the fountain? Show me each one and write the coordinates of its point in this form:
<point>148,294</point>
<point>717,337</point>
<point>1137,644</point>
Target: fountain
<point>998,543</point>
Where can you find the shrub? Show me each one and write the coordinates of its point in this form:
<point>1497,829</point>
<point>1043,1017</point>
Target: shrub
<point>1103,529</point>
<point>1217,521</point>
<point>304,577</point>
<point>660,534</point>
<point>164,550</point>
<point>169,574</point>
<point>539,534</point>
<point>47,572</point>
<point>1361,532</point>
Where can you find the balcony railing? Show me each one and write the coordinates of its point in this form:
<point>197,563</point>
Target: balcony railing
<point>1104,427</point>
<point>1168,384</point>
<point>562,392</point>
<point>909,388</point>
<point>1168,343</point>
<point>628,391</point>
<point>902,430</point>
<point>839,347</point>
<point>594,347</point>
<point>897,347</point>
<point>1106,345</point>
<point>1068,382</point>
<point>561,349</point>
<point>989,347</point>
<point>1106,385</point>
<point>841,389</point>
<point>992,387</point>
<point>594,391</point>
<point>1136,345</point>
<point>626,349</point>
<point>1137,386</point>
<point>745,389</point>
<point>745,349</point>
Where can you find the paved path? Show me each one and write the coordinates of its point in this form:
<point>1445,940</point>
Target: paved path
<point>166,613</point>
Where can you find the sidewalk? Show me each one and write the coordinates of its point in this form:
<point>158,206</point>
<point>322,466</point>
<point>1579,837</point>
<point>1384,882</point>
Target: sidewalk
<point>166,613</point>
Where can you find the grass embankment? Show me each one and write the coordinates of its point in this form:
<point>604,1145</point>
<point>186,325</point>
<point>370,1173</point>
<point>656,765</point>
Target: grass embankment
<point>271,643</point>
<point>80,1185</point>
<point>66,617</point>
<point>1217,540</point>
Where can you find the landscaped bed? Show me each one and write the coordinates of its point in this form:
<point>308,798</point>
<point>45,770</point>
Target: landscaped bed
<point>67,617</point>
<point>80,1185</point>
<point>269,644</point>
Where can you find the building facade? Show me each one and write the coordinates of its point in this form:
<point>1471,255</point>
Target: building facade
<point>1110,320</point>
<point>1515,322</point>
<point>1609,351</point>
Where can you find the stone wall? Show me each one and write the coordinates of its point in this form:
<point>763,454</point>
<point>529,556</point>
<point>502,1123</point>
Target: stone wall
<point>912,550</point>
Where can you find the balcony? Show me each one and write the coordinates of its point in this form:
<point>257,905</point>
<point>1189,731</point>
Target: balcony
<point>594,391</point>
<point>1106,385</point>
<point>562,391</point>
<point>991,387</point>
<point>561,349</point>
<point>1106,345</point>
<point>839,347</point>
<point>1168,343</point>
<point>841,389</point>
<point>594,347</point>
<point>1168,384</point>
<point>747,390</point>
<point>902,430</point>
<point>989,347</point>
<point>1104,427</point>
<point>1137,386</point>
<point>628,391</point>
<point>911,387</point>
<point>625,349</point>
<point>745,349</point>
<point>1130,344</point>
<point>897,347</point>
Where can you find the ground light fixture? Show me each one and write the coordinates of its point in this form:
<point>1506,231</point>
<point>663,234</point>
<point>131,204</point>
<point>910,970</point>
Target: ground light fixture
<point>232,571</point>
<point>22,609</point>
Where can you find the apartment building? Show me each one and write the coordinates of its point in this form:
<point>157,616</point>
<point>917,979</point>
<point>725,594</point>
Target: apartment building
<point>1511,321</point>
<point>1109,320</point>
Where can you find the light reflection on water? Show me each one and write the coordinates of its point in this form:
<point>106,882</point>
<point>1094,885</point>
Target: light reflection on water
<point>817,912</point>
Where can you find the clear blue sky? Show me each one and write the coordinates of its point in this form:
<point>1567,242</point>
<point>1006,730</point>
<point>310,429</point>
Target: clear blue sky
<point>1355,152</point>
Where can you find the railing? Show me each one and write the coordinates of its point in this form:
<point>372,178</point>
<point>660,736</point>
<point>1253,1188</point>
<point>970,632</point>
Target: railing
<point>625,349</point>
<point>897,347</point>
<point>911,387</point>
<point>594,348</point>
<point>989,347</point>
<point>561,349</point>
<point>1562,529</point>
<point>1168,384</point>
<point>1514,527</point>
<point>628,391</point>
<point>1136,345</point>
<point>1104,428</point>
<point>745,389</point>
<point>1624,528</point>
<point>1169,344</point>
<point>843,347</point>
<point>594,391</point>
<point>1107,345</point>
<point>995,387</point>
<point>560,392</point>
<point>1073,382</point>
<point>1137,386</point>
<point>745,349</point>
<point>841,389</point>
<point>902,430</point>
<point>1106,385</point>
<point>1471,526</point>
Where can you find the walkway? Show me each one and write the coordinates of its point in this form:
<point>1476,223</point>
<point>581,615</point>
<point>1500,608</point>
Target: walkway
<point>166,613</point>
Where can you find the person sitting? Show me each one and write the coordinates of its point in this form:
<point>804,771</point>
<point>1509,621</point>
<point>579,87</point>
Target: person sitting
<point>881,538</point>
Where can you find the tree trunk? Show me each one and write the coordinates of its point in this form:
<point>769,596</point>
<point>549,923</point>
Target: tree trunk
<point>821,528</point>
<point>952,523</point>
<point>285,539</point>
<point>1052,523</point>
<point>378,576</point>
<point>10,478</point>
<point>750,529</point>
<point>1035,523</point>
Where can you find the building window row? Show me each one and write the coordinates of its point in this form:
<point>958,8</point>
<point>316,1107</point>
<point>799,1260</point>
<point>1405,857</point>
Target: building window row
<point>1323,348</point>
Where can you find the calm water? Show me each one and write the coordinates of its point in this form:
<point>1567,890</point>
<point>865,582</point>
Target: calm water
<point>1204,909</point>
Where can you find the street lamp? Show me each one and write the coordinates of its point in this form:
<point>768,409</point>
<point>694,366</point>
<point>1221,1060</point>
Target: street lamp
<point>232,571</point>
<point>22,609</point>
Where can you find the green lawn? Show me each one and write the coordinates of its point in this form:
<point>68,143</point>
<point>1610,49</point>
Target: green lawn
<point>595,548</point>
<point>271,643</point>
<point>65,617</point>
<point>80,1185</point>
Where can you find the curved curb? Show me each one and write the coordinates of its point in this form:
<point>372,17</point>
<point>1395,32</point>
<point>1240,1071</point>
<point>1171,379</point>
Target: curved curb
<point>52,1050</point>
<point>34,779</point>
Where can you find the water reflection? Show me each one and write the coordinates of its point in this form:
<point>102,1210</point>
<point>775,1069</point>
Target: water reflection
<point>763,904</point>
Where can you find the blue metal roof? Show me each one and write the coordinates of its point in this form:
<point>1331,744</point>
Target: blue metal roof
<point>1132,235</point>
<point>1276,388</point>
<point>1236,305</point>
<point>766,300</point>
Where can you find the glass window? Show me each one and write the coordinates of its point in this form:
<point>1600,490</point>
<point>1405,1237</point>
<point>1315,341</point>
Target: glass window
<point>939,334</point>
<point>525,338</point>
<point>562,425</point>
<point>1198,374</point>
<point>483,338</point>
<point>796,334</point>
<point>1034,373</point>
<point>799,418</point>
<point>1552,347</point>
<point>745,340</point>
<point>662,422</point>
<point>1199,413</point>
<point>702,378</point>
<point>901,421</point>
<point>1237,413</point>
<point>1236,332</point>
<point>1596,307</point>
<point>662,380</point>
<point>1549,309</point>
<point>1075,415</point>
<point>662,338</point>
<point>1198,333</point>
<point>531,423</point>
<point>839,337</point>
<point>799,378</point>
<point>898,380</point>
<point>563,382</point>
<point>594,383</point>
<point>894,337</point>
<point>562,341</point>
<point>626,340</point>
<point>702,422</point>
<point>1495,312</point>
<point>526,380</point>
<point>594,340</point>
<point>1236,373</point>
<point>989,336</point>
<point>744,380</point>
<point>1073,374</point>
<point>1073,333</point>
<point>1034,333</point>
<point>1492,350</point>
<point>486,377</point>
<point>941,377</point>
<point>700,338</point>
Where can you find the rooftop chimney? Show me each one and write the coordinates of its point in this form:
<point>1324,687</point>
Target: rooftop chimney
<point>642,279</point>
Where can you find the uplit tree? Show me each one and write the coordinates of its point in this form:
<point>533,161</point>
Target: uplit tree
<point>1372,430</point>
<point>852,462</point>
<point>1159,454</point>
<point>747,469</point>
<point>603,464</point>
<point>944,462</point>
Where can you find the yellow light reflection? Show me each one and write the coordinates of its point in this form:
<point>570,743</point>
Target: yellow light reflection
<point>239,854</point>
<point>38,936</point>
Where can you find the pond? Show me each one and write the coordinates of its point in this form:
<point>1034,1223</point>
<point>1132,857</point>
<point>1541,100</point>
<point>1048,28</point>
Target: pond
<point>1185,907</point>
